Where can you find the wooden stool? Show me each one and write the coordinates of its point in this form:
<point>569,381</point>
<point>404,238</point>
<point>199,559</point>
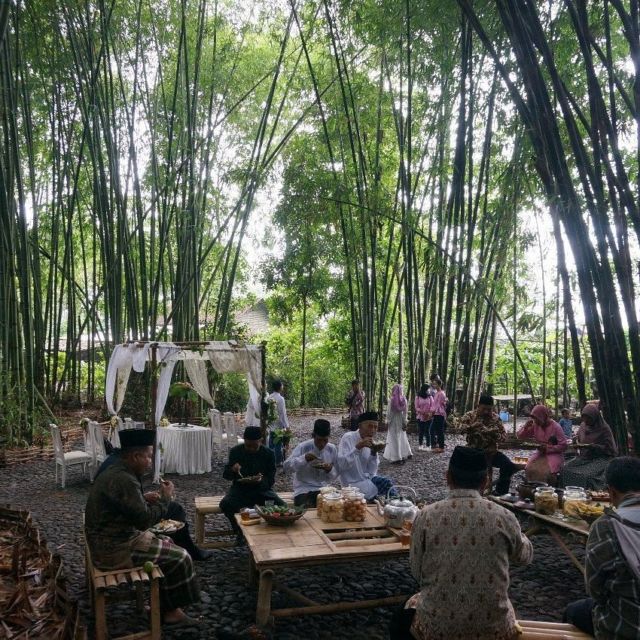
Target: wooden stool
<point>99,581</point>
<point>533,630</point>
<point>210,505</point>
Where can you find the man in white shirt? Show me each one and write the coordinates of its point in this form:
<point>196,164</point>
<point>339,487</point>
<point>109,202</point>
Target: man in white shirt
<point>358,459</point>
<point>313,463</point>
<point>281,422</point>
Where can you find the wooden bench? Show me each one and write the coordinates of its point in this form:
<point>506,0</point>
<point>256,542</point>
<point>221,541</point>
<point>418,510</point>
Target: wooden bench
<point>210,505</point>
<point>98,582</point>
<point>533,630</point>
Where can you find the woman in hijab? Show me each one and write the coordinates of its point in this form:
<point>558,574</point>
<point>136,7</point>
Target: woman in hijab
<point>597,446</point>
<point>545,463</point>
<point>397,449</point>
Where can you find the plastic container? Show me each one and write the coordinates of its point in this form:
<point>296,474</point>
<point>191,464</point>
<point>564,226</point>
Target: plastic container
<point>545,500</point>
<point>355,507</point>
<point>320,499</point>
<point>332,508</point>
<point>574,496</point>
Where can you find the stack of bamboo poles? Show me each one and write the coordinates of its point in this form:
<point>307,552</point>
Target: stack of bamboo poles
<point>33,597</point>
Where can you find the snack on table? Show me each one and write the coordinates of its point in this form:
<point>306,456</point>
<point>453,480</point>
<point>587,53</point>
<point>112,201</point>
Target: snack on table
<point>332,508</point>
<point>546,501</point>
<point>584,510</point>
<point>599,495</point>
<point>355,507</point>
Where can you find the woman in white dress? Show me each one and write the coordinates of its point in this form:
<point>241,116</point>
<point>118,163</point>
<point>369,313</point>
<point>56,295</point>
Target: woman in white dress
<point>397,449</point>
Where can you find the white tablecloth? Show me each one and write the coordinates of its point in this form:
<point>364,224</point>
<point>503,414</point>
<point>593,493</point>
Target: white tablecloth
<point>185,451</point>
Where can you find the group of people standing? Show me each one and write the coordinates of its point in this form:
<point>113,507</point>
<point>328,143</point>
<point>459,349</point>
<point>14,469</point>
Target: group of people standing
<point>431,405</point>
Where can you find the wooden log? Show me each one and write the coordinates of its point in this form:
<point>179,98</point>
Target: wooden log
<point>360,542</point>
<point>359,534</point>
<point>339,606</point>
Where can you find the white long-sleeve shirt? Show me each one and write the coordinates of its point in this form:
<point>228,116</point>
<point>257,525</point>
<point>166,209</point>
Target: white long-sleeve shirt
<point>357,466</point>
<point>307,478</point>
<point>282,421</point>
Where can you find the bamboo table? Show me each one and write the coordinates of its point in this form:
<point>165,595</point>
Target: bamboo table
<point>311,542</point>
<point>555,527</point>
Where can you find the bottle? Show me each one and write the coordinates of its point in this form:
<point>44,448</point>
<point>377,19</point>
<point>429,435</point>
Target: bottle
<point>545,500</point>
<point>573,496</point>
<point>355,507</point>
<point>332,508</point>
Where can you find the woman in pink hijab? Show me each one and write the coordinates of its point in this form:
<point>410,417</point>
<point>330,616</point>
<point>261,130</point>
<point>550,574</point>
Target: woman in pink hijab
<point>545,463</point>
<point>398,448</point>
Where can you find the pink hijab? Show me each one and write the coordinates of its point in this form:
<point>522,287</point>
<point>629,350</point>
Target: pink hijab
<point>398,401</point>
<point>541,413</point>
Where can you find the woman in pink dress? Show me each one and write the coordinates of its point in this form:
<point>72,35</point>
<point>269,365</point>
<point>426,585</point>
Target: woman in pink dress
<point>439,411</point>
<point>545,463</point>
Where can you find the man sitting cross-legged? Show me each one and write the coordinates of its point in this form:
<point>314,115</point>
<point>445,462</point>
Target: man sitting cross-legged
<point>252,468</point>
<point>358,459</point>
<point>612,562</point>
<point>313,463</point>
<point>484,430</point>
<point>460,553</point>
<point>117,519</point>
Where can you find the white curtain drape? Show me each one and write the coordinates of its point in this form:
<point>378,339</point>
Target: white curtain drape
<point>166,356</point>
<point>118,372</point>
<point>197,374</point>
<point>245,360</point>
<point>225,357</point>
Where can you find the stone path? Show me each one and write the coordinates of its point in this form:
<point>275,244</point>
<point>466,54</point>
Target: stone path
<point>540,591</point>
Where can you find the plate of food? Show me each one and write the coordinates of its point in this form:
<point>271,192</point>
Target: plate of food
<point>318,464</point>
<point>280,515</point>
<point>167,526</point>
<point>377,446</point>
<point>599,496</point>
<point>250,479</point>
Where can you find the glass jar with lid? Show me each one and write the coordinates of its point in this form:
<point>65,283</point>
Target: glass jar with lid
<point>319,500</point>
<point>332,507</point>
<point>574,496</point>
<point>355,506</point>
<point>545,500</point>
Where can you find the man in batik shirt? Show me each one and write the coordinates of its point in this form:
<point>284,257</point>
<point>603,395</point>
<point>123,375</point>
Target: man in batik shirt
<point>117,521</point>
<point>612,561</point>
<point>484,430</point>
<point>461,549</point>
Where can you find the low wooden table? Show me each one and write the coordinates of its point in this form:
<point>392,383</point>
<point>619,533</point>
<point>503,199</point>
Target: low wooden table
<point>555,527</point>
<point>311,542</point>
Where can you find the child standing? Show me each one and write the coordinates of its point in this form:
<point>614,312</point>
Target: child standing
<point>423,415</point>
<point>439,411</point>
<point>566,423</point>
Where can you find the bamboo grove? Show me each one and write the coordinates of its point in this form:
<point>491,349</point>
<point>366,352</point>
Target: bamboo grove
<point>398,151</point>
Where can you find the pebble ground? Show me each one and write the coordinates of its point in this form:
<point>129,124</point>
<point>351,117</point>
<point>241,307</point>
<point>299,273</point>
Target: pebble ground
<point>540,591</point>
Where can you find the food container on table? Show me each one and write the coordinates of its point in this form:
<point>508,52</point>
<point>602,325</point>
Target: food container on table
<point>332,508</point>
<point>355,507</point>
<point>545,500</point>
<point>319,500</point>
<point>575,498</point>
<point>527,489</point>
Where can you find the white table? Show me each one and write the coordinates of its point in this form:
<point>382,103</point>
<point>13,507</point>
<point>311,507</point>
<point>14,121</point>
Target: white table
<point>185,450</point>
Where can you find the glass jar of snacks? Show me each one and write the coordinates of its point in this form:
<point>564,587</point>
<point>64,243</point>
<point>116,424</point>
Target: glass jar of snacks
<point>574,499</point>
<point>320,499</point>
<point>545,500</point>
<point>355,507</point>
<point>332,508</point>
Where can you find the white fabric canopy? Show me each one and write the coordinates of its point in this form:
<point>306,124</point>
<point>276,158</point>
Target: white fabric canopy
<point>225,357</point>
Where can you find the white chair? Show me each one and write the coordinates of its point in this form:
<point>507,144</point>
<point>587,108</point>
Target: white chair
<point>98,452</point>
<point>68,459</point>
<point>229,422</point>
<point>215,423</point>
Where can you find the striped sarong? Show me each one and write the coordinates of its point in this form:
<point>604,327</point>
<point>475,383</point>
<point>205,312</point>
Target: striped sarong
<point>180,585</point>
